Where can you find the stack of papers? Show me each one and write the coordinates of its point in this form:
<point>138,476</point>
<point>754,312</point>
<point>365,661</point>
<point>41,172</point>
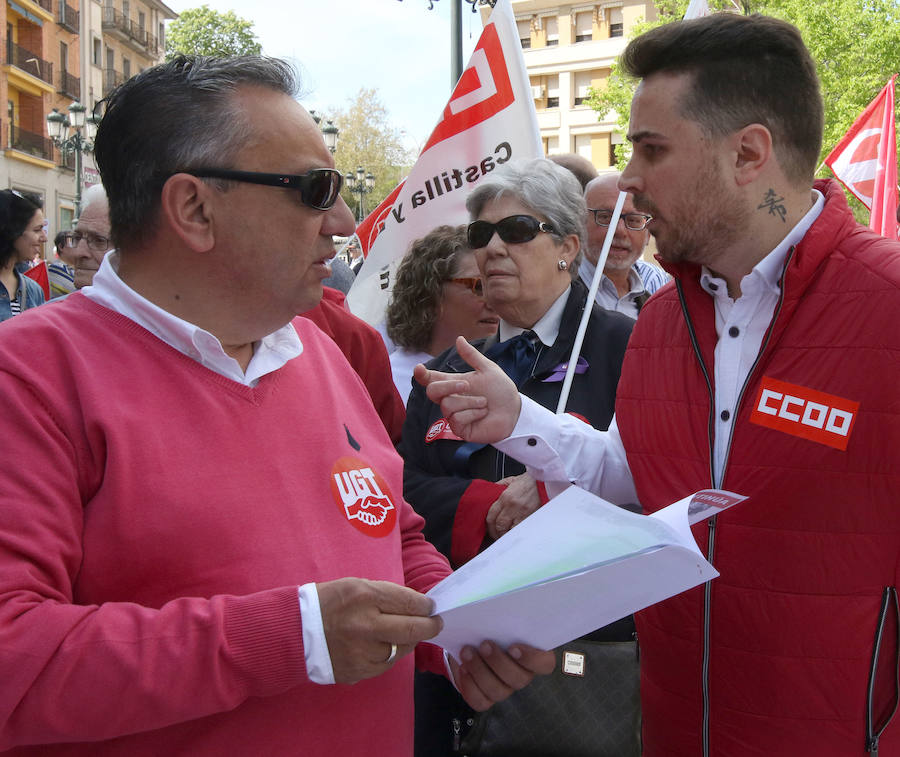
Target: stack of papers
<point>575,565</point>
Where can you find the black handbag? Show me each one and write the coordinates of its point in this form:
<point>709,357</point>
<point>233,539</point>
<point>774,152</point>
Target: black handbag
<point>588,707</point>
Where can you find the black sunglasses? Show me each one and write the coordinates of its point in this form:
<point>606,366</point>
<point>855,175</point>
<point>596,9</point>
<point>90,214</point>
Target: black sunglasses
<point>318,188</point>
<point>512,230</point>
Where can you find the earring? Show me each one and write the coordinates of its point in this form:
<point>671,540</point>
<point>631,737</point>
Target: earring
<point>563,265</point>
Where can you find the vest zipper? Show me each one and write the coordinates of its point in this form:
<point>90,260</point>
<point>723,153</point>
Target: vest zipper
<point>873,732</point>
<point>711,523</point>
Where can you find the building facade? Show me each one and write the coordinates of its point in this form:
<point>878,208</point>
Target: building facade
<point>58,52</point>
<point>569,48</point>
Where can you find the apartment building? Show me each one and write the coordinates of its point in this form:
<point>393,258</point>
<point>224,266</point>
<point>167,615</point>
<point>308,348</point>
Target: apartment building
<point>569,48</point>
<point>39,72</point>
<point>59,52</point>
<point>122,38</point>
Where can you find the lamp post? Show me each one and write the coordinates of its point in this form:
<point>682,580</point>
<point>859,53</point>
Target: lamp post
<point>360,184</point>
<point>81,141</point>
<point>329,131</point>
<point>456,33</point>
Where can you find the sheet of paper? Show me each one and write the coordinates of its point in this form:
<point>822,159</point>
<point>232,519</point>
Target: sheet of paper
<point>575,565</point>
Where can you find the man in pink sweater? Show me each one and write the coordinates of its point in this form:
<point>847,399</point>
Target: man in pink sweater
<point>203,540</point>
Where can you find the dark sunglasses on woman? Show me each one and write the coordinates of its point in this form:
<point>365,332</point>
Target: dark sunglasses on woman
<point>512,230</point>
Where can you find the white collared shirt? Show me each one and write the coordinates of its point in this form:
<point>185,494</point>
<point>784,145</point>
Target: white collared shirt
<point>741,325</point>
<point>269,354</point>
<point>557,450</point>
<point>547,327</point>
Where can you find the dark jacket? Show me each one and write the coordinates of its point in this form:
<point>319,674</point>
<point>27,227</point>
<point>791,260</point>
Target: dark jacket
<point>453,490</point>
<point>453,487</point>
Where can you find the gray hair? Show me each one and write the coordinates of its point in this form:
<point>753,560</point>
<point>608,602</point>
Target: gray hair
<point>93,194</point>
<point>178,115</point>
<point>543,186</point>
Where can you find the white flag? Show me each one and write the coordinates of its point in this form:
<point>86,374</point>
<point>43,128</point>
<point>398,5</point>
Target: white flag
<point>489,119</point>
<point>696,9</point>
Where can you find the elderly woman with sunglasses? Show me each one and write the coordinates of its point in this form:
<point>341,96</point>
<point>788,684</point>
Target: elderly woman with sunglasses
<point>23,233</point>
<point>527,231</point>
<point>437,296</point>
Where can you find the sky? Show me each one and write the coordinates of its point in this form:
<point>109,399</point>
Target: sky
<point>402,49</point>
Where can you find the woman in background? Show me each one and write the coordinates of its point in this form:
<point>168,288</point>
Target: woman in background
<point>437,297</point>
<point>22,236</point>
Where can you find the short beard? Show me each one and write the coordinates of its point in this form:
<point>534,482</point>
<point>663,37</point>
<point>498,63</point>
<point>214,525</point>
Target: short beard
<point>700,232</point>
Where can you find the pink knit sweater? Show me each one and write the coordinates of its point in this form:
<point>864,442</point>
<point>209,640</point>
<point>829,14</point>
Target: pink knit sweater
<point>155,521</point>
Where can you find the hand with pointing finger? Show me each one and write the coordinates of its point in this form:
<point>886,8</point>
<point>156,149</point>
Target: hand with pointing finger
<point>481,406</point>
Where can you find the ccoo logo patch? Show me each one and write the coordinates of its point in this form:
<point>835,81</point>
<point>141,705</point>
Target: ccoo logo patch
<point>800,411</point>
<point>363,497</point>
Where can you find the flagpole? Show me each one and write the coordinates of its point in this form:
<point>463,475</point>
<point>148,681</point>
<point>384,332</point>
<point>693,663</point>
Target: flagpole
<point>588,307</point>
<point>455,42</point>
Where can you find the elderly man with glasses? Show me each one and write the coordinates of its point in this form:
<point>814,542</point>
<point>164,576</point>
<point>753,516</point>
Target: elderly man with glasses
<point>209,543</point>
<point>91,239</point>
<point>627,281</point>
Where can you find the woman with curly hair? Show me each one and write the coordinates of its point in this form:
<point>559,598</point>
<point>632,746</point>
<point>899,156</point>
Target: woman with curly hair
<point>22,236</point>
<point>438,295</point>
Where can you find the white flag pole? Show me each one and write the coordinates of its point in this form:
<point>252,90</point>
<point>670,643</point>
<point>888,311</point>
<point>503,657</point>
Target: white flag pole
<point>592,293</point>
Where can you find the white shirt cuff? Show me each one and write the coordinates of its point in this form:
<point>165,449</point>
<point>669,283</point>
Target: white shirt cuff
<point>315,647</point>
<point>533,443</point>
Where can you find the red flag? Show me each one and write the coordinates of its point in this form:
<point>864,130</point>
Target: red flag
<point>865,161</point>
<point>373,224</point>
<point>39,274</point>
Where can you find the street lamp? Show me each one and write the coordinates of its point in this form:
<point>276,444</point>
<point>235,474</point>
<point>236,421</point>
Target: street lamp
<point>456,33</point>
<point>329,131</point>
<point>330,135</point>
<point>81,141</point>
<point>360,184</point>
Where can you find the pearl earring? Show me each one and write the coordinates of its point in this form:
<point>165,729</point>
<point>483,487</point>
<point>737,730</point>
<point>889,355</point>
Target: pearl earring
<point>563,265</point>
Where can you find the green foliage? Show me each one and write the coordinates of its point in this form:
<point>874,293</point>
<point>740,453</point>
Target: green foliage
<point>855,44</point>
<point>203,31</point>
<point>366,138</point>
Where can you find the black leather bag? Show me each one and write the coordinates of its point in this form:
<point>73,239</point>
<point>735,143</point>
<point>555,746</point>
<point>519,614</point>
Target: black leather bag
<point>588,707</point>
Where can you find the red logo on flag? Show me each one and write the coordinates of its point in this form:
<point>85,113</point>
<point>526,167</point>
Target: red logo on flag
<point>373,224</point>
<point>483,90</point>
<point>363,497</point>
<point>804,412</point>
<point>865,161</point>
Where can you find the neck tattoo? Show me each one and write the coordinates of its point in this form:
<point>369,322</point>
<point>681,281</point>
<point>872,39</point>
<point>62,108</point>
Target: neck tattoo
<point>774,203</point>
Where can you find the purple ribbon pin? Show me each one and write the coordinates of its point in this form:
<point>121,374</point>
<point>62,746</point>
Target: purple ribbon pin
<point>559,373</point>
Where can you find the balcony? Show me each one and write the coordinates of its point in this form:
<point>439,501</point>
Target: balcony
<point>69,85</point>
<point>118,25</point>
<point>111,80</point>
<point>27,61</point>
<point>66,160</point>
<point>32,144</point>
<point>68,17</point>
